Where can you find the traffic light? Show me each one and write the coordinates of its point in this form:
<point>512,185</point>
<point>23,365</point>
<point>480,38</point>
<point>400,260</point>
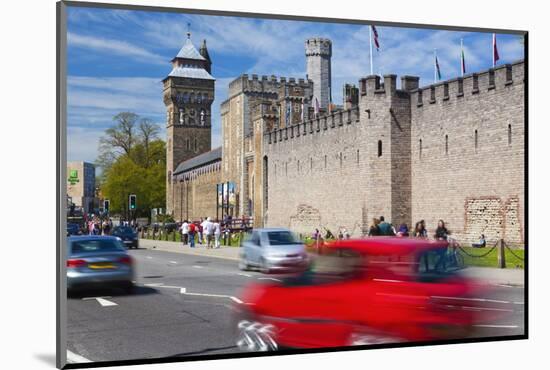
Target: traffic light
<point>106,205</point>
<point>132,202</point>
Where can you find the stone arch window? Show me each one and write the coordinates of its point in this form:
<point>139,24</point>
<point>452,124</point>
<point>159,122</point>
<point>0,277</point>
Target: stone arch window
<point>420,148</point>
<point>446,144</point>
<point>380,148</point>
<point>509,134</point>
<point>475,140</point>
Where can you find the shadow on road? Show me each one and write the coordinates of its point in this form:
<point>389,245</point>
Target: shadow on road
<point>204,351</point>
<point>110,291</point>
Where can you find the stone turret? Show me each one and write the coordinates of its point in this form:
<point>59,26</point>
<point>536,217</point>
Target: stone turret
<point>318,54</point>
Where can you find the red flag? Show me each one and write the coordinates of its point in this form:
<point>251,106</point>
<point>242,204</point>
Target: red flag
<point>375,33</point>
<point>495,49</point>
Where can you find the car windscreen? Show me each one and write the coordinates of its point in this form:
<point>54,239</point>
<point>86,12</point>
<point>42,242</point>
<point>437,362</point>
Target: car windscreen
<point>123,231</point>
<point>333,267</point>
<point>282,238</point>
<point>435,265</point>
<point>96,245</point>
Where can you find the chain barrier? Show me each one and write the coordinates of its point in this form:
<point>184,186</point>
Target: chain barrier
<point>513,254</point>
<point>481,255</point>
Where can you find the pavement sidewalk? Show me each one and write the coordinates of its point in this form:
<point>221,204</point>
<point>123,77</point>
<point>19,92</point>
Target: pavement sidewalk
<point>229,253</point>
<point>494,276</point>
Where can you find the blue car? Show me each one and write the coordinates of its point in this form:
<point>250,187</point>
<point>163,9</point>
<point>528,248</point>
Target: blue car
<point>98,261</point>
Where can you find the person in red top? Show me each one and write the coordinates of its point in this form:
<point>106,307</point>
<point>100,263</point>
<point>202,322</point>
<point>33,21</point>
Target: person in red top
<point>191,232</point>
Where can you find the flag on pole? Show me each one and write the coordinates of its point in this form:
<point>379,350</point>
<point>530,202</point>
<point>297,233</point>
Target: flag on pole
<point>462,60</point>
<point>495,50</point>
<point>316,107</point>
<point>437,71</point>
<point>375,34</point>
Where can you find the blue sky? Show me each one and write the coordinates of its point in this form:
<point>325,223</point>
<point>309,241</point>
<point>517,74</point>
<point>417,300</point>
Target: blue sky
<point>118,58</point>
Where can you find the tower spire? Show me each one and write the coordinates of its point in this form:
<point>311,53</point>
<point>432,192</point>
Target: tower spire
<point>188,30</point>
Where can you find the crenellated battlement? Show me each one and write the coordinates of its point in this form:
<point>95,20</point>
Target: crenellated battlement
<point>313,126</point>
<point>264,84</point>
<point>477,83</point>
<point>318,46</point>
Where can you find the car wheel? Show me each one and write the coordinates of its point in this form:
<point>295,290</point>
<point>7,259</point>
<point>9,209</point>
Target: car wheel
<point>129,288</point>
<point>243,265</point>
<point>254,336</point>
<point>263,266</point>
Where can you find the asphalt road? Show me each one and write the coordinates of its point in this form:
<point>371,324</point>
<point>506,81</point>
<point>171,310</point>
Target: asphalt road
<point>160,319</point>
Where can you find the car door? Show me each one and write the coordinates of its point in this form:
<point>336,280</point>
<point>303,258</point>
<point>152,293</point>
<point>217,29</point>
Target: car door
<point>255,249</point>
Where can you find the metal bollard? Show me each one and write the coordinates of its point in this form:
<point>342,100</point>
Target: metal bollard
<point>501,255</point>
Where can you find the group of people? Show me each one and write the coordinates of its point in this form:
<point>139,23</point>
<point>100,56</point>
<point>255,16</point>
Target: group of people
<point>379,226</point>
<point>96,226</point>
<point>207,232</point>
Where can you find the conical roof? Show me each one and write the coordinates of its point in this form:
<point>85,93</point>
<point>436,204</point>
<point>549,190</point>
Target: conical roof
<point>188,51</point>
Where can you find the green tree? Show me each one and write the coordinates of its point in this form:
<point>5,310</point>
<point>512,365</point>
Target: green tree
<point>134,162</point>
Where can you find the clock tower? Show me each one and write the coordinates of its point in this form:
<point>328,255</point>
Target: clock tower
<point>188,93</point>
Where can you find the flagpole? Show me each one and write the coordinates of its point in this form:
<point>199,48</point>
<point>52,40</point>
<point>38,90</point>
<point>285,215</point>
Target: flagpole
<point>462,57</point>
<point>435,66</point>
<point>370,41</point>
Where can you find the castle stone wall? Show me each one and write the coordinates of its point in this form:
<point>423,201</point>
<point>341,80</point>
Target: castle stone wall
<point>475,188</point>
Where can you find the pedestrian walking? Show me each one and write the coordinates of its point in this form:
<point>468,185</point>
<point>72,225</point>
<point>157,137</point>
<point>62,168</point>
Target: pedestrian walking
<point>208,230</point>
<point>184,232</point>
<point>191,233</point>
<point>217,234</point>
<point>441,233</point>
<point>385,227</point>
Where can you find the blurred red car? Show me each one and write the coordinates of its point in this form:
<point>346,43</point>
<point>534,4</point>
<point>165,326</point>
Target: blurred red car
<point>377,290</point>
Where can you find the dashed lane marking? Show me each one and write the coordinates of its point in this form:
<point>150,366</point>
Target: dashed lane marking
<point>172,262</point>
<point>266,278</point>
<point>197,267</point>
<point>105,303</point>
<point>498,326</point>
<point>74,358</point>
<point>149,257</point>
<point>243,274</point>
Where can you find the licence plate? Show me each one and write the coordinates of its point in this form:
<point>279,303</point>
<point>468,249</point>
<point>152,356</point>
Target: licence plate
<point>99,266</point>
<point>128,242</point>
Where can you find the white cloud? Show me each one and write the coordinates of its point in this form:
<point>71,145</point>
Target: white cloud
<point>113,46</point>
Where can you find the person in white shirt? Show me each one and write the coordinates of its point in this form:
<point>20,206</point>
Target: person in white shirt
<point>184,232</point>
<point>208,230</point>
<point>217,234</point>
<point>203,234</point>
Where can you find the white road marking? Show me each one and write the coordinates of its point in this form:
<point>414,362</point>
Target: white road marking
<point>484,309</point>
<point>149,257</point>
<point>243,274</point>
<point>73,358</point>
<point>505,285</point>
<point>169,286</point>
<point>498,326</point>
<point>183,290</point>
<point>105,303</point>
<point>471,299</point>
<point>197,267</point>
<point>154,284</point>
<point>265,278</point>
<point>172,261</point>
<point>92,298</point>
<point>519,302</point>
<point>235,299</point>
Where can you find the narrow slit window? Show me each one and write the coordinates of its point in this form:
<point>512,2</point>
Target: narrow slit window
<point>341,160</point>
<point>509,134</point>
<point>380,148</point>
<point>446,144</point>
<point>325,161</point>
<point>475,140</point>
<point>420,148</point>
<point>311,163</point>
<point>357,155</point>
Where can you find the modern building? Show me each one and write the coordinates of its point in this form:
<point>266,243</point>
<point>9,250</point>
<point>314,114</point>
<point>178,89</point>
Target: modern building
<point>81,185</point>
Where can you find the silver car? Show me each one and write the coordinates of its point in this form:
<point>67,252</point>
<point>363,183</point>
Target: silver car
<point>273,250</point>
<point>100,261</point>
